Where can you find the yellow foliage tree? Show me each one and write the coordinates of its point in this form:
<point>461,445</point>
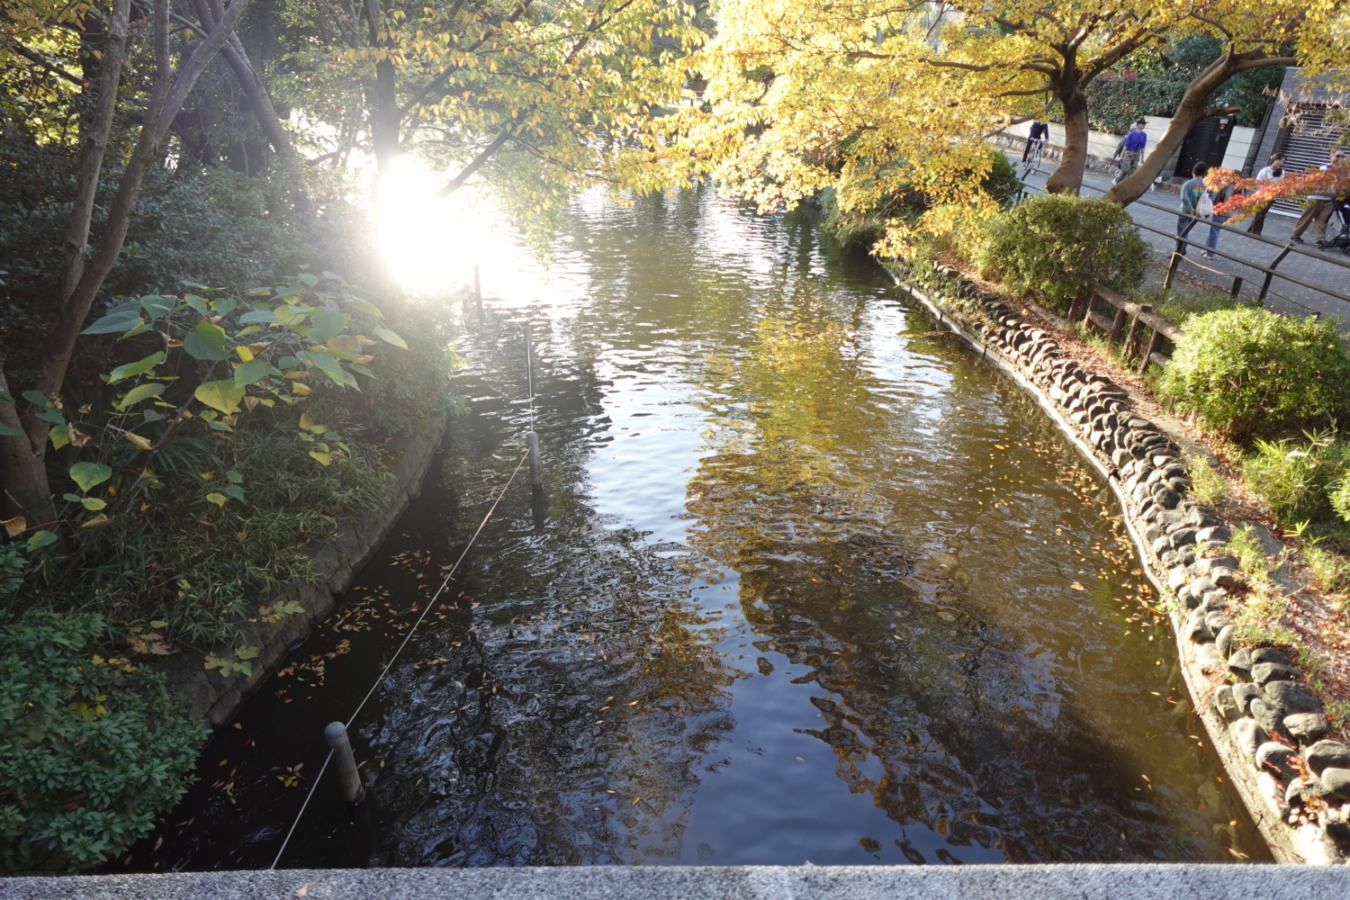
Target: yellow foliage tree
<point>876,97</point>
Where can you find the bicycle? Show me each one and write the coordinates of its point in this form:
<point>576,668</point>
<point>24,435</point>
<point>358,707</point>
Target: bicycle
<point>1032,162</point>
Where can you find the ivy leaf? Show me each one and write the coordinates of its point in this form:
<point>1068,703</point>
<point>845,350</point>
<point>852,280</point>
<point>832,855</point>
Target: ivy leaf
<point>89,475</point>
<point>221,395</point>
<point>140,392</point>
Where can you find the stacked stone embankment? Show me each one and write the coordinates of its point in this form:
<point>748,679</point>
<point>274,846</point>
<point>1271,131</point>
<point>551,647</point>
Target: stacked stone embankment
<point>1268,725</point>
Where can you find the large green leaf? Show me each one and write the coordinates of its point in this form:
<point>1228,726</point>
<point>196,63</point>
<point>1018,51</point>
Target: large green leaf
<point>258,317</point>
<point>6,431</point>
<point>328,321</point>
<point>130,370</point>
<point>365,306</point>
<point>385,334</point>
<point>156,306</point>
<point>252,372</point>
<point>329,366</point>
<point>89,475</point>
<point>140,392</point>
<point>222,395</point>
<point>123,318</point>
<point>199,347</point>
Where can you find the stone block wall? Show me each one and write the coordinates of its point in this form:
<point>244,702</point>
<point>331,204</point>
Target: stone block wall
<point>1268,726</point>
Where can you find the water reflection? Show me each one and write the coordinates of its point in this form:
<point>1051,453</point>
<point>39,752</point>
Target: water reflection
<point>814,584</point>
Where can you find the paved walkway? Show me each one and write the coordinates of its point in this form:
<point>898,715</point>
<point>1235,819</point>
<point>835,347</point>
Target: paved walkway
<point>1285,296</point>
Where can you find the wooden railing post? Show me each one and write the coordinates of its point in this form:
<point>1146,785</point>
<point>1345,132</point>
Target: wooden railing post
<point>1154,345</point>
<point>1134,326</point>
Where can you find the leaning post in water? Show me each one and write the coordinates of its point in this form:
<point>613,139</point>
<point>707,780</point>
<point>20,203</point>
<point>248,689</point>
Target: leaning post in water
<point>336,737</point>
<point>477,288</point>
<point>536,472</point>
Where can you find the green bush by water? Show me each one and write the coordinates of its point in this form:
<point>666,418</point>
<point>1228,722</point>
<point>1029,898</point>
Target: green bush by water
<point>1181,308</point>
<point>91,749</point>
<point>1056,246</point>
<point>1250,373</point>
<point>1296,478</point>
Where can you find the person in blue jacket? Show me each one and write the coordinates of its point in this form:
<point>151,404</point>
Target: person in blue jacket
<point>1130,151</point>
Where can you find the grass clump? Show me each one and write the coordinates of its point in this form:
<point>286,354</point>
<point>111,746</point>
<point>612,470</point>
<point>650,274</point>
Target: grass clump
<point>1245,545</point>
<point>1181,308</point>
<point>1296,478</point>
<point>1250,373</point>
<point>1207,485</point>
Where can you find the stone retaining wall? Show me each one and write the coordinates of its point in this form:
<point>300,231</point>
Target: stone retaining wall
<point>1267,724</point>
<point>216,698</point>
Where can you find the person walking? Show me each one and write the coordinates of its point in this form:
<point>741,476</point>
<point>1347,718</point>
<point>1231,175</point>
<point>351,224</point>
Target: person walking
<point>1191,208</point>
<point>1130,151</point>
<point>1274,171</point>
<point>1317,211</point>
<point>1224,194</point>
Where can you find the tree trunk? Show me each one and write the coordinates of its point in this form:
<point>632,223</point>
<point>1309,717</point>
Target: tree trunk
<point>94,142</point>
<point>1068,178</point>
<point>260,102</point>
<point>1191,111</point>
<point>25,474</point>
<point>28,478</point>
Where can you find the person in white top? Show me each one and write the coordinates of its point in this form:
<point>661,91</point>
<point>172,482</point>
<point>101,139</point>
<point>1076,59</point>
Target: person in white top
<point>1317,211</point>
<point>1272,172</point>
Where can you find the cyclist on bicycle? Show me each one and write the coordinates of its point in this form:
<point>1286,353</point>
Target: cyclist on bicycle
<point>1039,132</point>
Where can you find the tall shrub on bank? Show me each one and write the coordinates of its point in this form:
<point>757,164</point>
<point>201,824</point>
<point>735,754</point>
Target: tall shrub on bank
<point>1249,373</point>
<point>1056,246</point>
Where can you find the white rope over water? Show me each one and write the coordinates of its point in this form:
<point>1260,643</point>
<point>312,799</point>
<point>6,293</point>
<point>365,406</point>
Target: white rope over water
<point>431,603</point>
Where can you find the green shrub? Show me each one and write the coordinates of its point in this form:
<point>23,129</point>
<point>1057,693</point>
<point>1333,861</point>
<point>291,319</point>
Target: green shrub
<point>1057,246</point>
<point>1340,498</point>
<point>1115,103</point>
<point>1295,478</point>
<point>90,749</point>
<point>1251,373</point>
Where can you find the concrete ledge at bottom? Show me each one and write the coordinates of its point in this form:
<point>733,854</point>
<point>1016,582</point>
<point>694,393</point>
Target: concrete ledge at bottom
<point>1016,882</point>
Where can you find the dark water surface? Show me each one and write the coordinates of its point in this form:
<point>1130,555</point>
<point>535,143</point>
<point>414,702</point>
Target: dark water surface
<point>813,583</point>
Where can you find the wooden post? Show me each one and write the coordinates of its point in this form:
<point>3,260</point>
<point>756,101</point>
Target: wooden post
<point>1075,309</point>
<point>1154,344</point>
<point>1237,287</point>
<point>1134,327</point>
<point>536,470</point>
<point>348,775</point>
<point>1171,270</point>
<point>1091,308</point>
<point>1117,326</point>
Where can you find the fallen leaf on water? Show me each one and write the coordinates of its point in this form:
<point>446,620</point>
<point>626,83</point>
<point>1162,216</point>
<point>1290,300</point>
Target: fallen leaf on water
<point>1077,587</point>
<point>303,890</point>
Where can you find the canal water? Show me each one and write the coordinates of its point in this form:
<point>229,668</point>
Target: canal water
<point>811,582</point>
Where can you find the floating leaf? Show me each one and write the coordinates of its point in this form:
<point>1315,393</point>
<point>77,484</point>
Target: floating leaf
<point>130,370</point>
<point>15,526</point>
<point>388,336</point>
<point>140,392</point>
<point>221,395</point>
<point>89,475</point>
<point>217,499</point>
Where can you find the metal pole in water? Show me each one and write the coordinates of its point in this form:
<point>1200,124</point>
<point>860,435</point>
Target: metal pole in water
<point>477,289</point>
<point>536,473</point>
<point>336,737</point>
<point>529,358</point>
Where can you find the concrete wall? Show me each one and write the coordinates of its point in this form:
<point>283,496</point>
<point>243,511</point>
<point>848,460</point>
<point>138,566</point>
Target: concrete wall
<point>1173,881</point>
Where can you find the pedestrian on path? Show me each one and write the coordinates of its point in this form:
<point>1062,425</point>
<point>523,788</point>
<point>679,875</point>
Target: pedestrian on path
<point>1317,211</point>
<point>1191,208</point>
<point>1130,150</point>
<point>1272,172</point>
<point>1223,195</point>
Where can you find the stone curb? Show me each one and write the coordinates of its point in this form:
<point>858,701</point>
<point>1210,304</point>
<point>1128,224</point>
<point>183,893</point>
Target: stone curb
<point>1078,881</point>
<point>1268,726</point>
<point>214,698</point>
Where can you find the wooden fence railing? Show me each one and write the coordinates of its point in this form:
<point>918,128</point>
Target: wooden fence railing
<point>1145,338</point>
